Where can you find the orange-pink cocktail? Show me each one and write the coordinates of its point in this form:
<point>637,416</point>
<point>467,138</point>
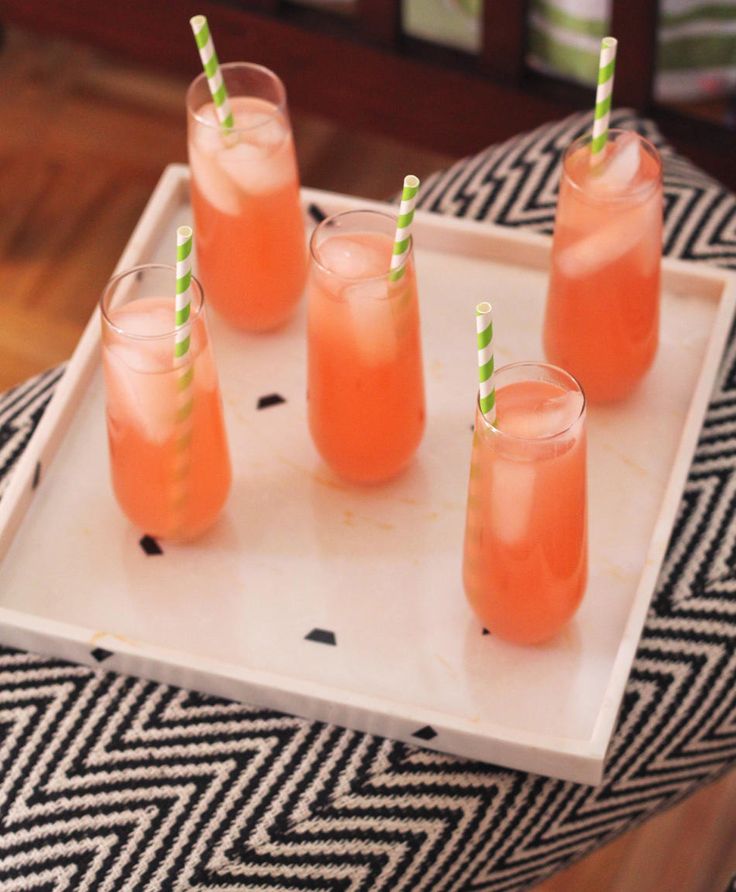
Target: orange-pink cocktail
<point>525,557</point>
<point>169,458</point>
<point>251,246</point>
<point>365,377</point>
<point>602,318</point>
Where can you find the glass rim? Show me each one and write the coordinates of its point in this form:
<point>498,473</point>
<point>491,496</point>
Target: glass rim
<point>627,194</point>
<point>232,66</point>
<point>354,212</point>
<point>577,388</point>
<point>194,313</point>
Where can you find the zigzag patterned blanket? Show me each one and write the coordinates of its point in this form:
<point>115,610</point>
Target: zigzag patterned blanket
<point>111,783</point>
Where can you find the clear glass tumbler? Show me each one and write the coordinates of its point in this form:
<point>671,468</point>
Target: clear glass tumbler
<point>602,318</point>
<point>169,458</point>
<point>251,244</point>
<point>525,557</point>
<point>365,377</point>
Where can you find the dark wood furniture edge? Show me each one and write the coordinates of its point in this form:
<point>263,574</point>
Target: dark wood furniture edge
<point>414,93</point>
<point>441,108</point>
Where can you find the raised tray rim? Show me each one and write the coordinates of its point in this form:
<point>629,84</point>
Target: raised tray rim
<point>564,757</point>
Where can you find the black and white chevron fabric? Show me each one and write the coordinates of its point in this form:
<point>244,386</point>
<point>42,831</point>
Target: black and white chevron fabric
<point>110,783</point>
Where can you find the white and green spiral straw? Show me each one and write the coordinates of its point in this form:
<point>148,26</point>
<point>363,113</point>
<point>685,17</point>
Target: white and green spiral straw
<point>606,67</point>
<point>185,369</point>
<point>183,333</point>
<point>182,338</point>
<point>487,389</point>
<point>402,239</point>
<point>212,71</point>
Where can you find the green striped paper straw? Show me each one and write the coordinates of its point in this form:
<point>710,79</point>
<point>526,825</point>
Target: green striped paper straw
<point>603,93</point>
<point>182,337</point>
<point>487,390</point>
<point>212,70</point>
<point>402,239</point>
<point>185,370</point>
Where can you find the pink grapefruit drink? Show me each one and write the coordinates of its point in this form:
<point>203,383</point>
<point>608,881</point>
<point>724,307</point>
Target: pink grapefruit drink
<point>251,247</point>
<point>602,319</point>
<point>365,378</point>
<point>169,458</point>
<point>525,556</point>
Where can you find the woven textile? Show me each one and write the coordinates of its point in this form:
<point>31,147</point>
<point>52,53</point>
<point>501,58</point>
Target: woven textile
<point>111,783</point>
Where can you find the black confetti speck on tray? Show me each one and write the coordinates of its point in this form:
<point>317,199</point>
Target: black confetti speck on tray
<point>486,632</point>
<point>271,399</point>
<point>316,213</point>
<point>36,475</point>
<point>100,654</point>
<point>150,545</point>
<point>425,733</point>
<point>322,636</point>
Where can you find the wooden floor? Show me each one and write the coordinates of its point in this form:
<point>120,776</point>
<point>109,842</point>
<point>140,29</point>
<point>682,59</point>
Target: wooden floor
<point>83,141</point>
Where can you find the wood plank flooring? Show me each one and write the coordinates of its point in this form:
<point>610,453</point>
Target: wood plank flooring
<point>83,141</point>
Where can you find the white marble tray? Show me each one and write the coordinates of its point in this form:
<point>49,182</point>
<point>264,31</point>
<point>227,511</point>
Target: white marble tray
<point>345,604</point>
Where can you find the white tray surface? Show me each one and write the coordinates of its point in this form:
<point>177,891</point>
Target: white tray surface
<point>296,549</point>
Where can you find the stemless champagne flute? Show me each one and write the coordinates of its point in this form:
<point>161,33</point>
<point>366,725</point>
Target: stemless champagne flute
<point>602,316</point>
<point>251,246</point>
<point>169,458</point>
<point>365,378</point>
<point>525,556</point>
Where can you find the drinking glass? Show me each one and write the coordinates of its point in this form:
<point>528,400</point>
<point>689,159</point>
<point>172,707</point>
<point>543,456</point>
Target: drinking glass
<point>251,245</point>
<point>602,316</point>
<point>365,377</point>
<point>169,458</point>
<point>525,556</point>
